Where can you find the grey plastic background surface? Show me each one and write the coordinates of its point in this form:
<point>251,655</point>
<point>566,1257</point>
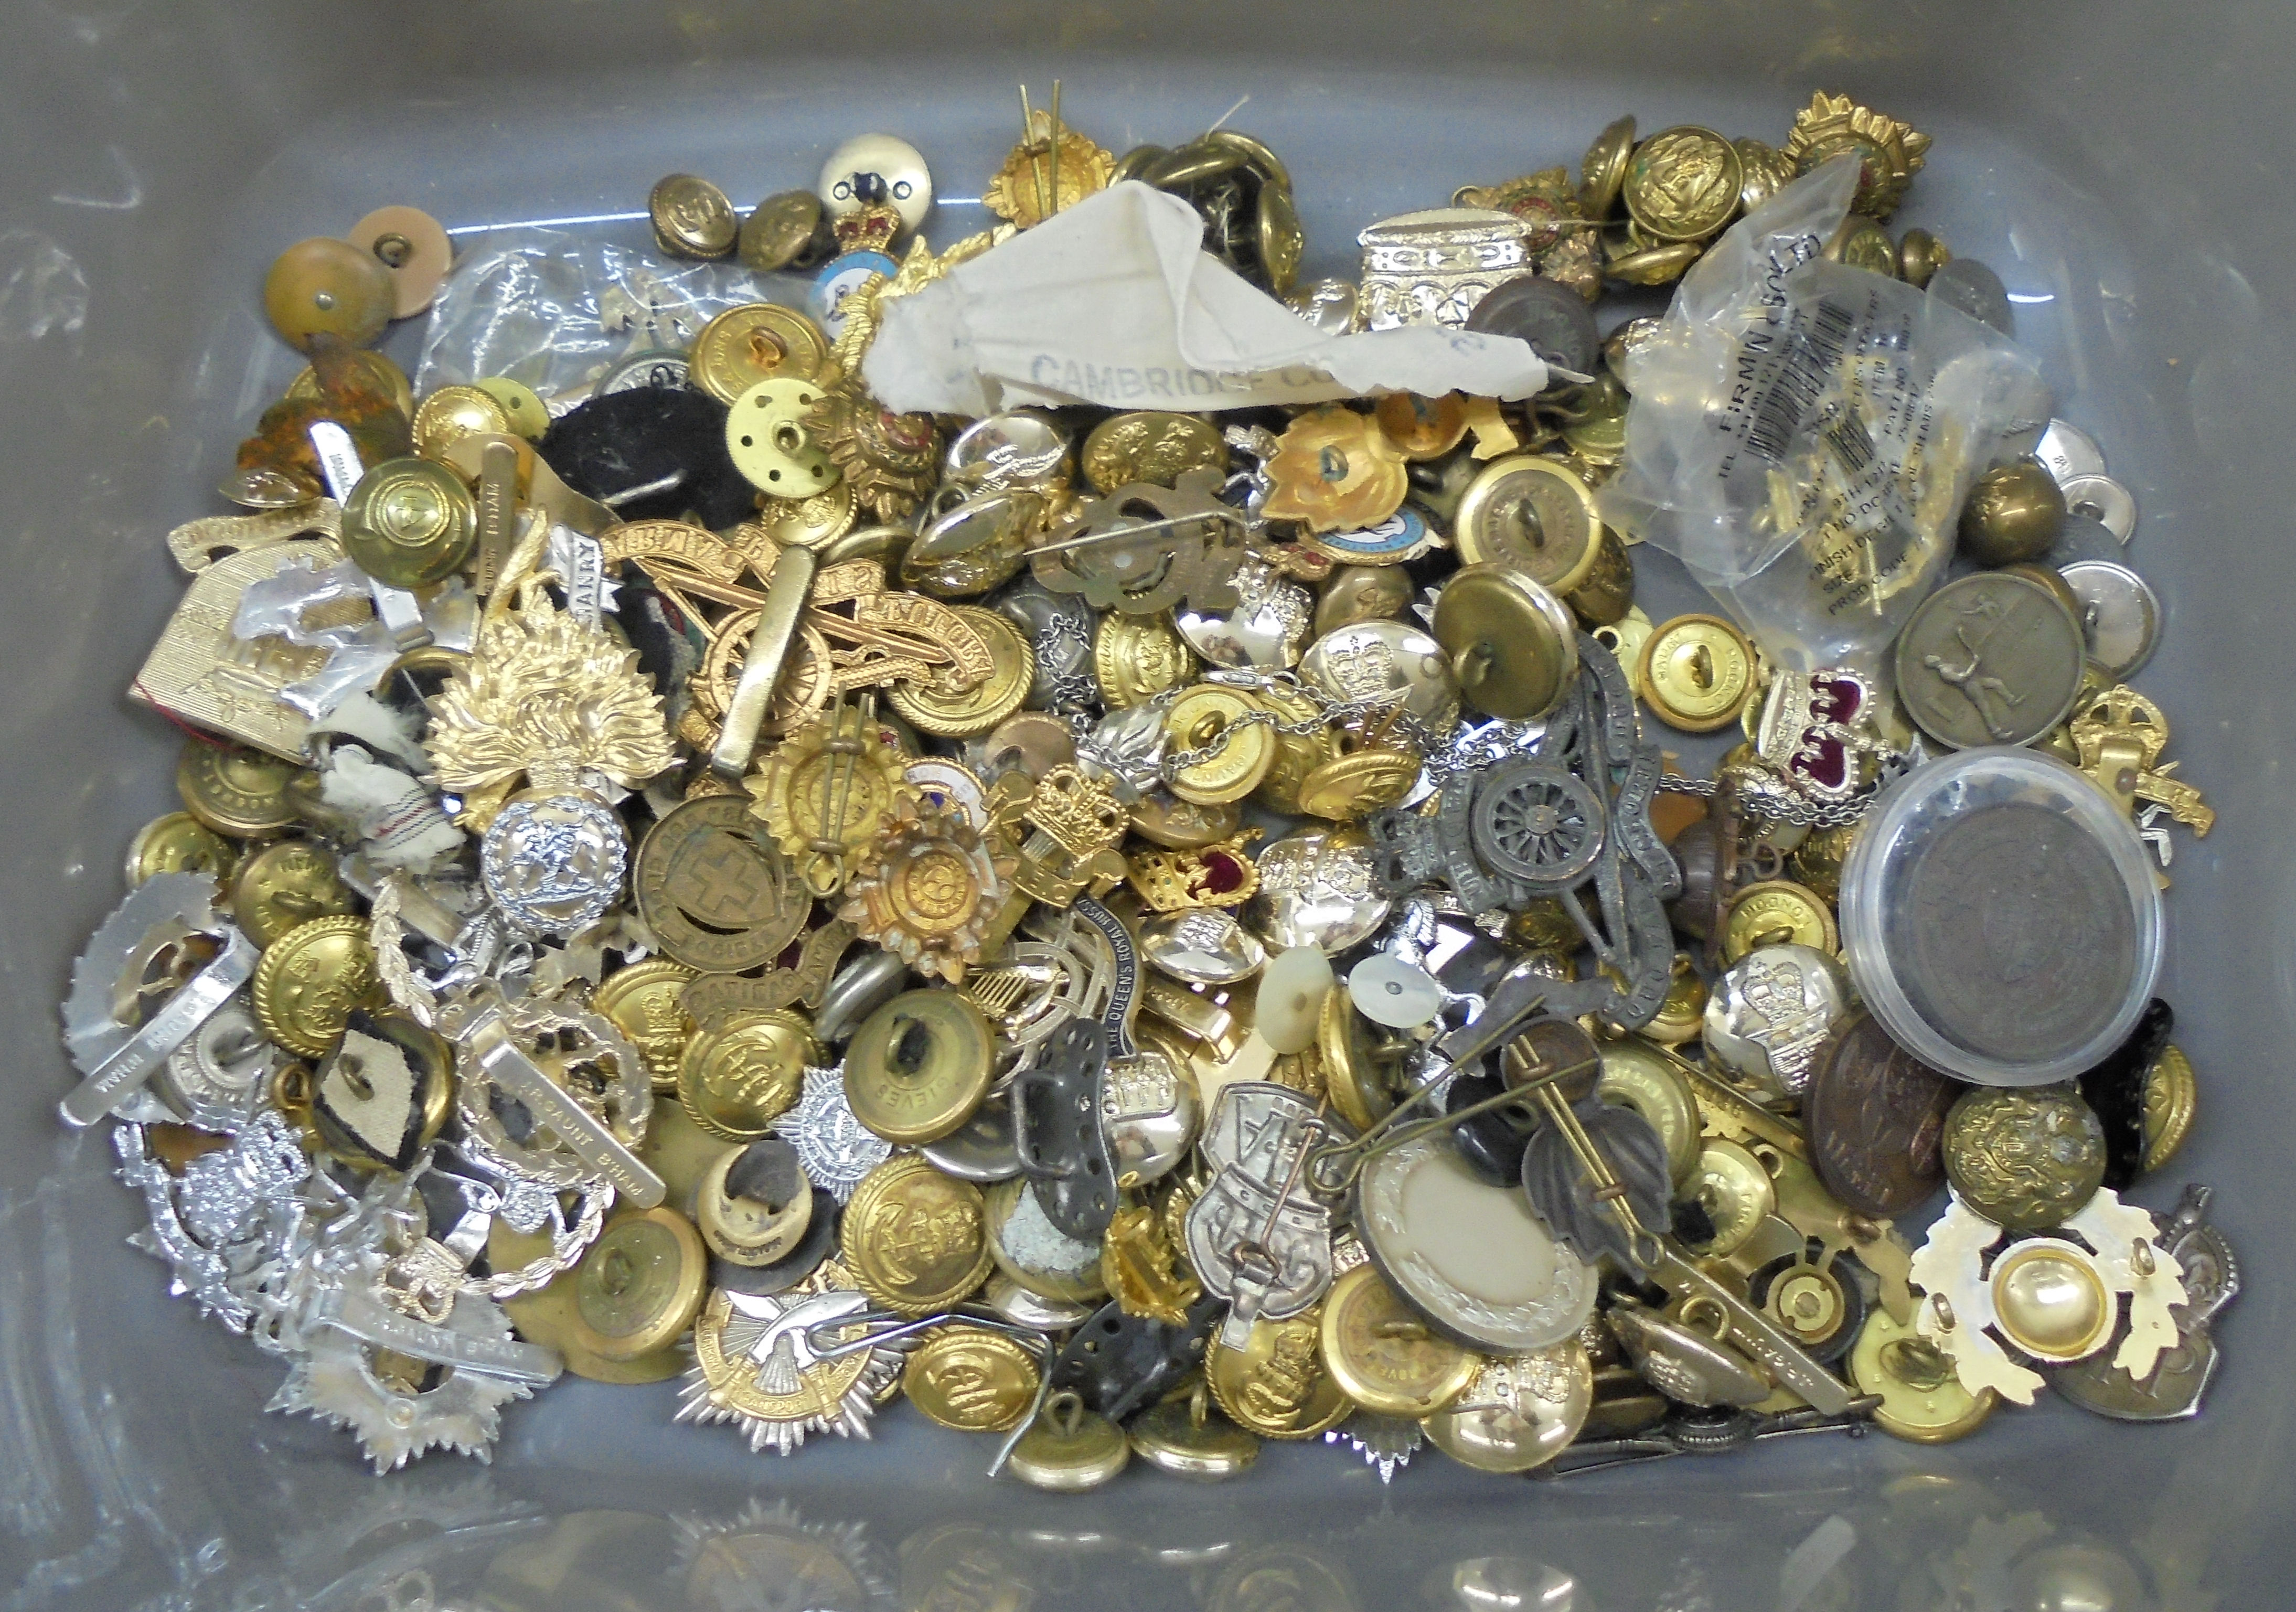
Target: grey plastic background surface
<point>2123,166</point>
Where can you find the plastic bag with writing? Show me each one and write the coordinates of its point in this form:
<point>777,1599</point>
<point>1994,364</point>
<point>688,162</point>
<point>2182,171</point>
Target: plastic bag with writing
<point>1803,434</point>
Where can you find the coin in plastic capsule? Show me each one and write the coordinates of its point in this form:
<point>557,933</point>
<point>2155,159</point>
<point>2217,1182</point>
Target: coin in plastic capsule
<point>1770,1013</point>
<point>327,287</point>
<point>639,1285</point>
<point>1068,1449</point>
<point>410,522</point>
<point>877,170</point>
<point>1187,1439</point>
<point>2014,513</point>
<point>919,1066</point>
<point>1512,644</point>
<point>413,250</point>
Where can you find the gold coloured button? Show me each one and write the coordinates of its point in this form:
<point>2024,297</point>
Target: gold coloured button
<point>1276,1385</point>
<point>2026,1158</point>
<point>179,843</point>
<point>914,1238</point>
<point>808,523</point>
<point>2050,1300</point>
<point>1637,1076</point>
<point>1137,657</point>
<point>643,1000</point>
<point>734,1083</point>
<point>1533,514</point>
<point>383,1095</point>
<point>1187,1439</point>
<point>1681,184</point>
<point>1236,748</point>
<point>1150,446</point>
<point>1736,1193</point>
<point>1603,169</point>
<point>771,442</point>
<point>1777,912</point>
<point>410,522</point>
<point>989,702</point>
<point>284,885</point>
<point>1382,1354</point>
<point>971,1379</point>
<point>235,792</point>
<point>753,1205</point>
<point>2171,1097</point>
<point>919,1066</point>
<point>1521,1412</point>
<point>1922,1399</point>
<point>1696,672</point>
<point>1513,646</point>
<point>528,415</point>
<point>639,1285</point>
<point>1183,825</point>
<point>453,413</point>
<point>691,218</point>
<point>756,341</point>
<point>777,233</point>
<point>1423,427</point>
<point>1037,1255</point>
<point>1608,593</point>
<point>310,981</point>
<point>323,287</point>
<point>374,371</point>
<point>413,250</point>
<point>1682,1015</point>
<point>1070,1449</point>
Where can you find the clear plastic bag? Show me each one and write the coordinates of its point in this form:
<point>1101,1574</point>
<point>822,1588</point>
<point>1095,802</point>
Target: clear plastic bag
<point>1802,434</point>
<point>557,310</point>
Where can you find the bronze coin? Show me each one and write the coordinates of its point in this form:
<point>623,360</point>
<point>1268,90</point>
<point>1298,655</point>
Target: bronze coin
<point>1876,1115</point>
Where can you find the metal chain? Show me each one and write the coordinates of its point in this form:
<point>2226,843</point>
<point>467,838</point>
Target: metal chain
<point>1328,711</point>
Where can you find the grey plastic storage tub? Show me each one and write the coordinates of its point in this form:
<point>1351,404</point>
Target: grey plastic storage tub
<point>2123,166</point>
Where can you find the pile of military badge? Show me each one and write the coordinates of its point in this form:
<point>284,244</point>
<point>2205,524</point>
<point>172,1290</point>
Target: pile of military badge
<point>1145,932</point>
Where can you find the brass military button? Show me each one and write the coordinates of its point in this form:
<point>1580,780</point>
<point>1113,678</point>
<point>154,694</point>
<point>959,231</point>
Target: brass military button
<point>1137,657</point>
<point>771,442</point>
<point>1735,1192</point>
<point>410,522</point>
<point>1777,912</point>
<point>1681,184</point>
<point>808,523</point>
<point>918,1067</point>
<point>384,1094</point>
<point>312,979</point>
<point>1152,446</point>
<point>453,413</point>
<point>521,405</point>
<point>1187,1439</point>
<point>1382,1354</point>
<point>753,1205</point>
<point>413,248</point>
<point>283,885</point>
<point>1682,1015</point>
<point>235,792</point>
<point>756,341</point>
<point>1070,1449</point>
<point>1275,1386</point>
<point>971,1379</point>
<point>1602,171</point>
<point>1513,646</point>
<point>179,843</point>
<point>916,1239</point>
<point>2013,514</point>
<point>1531,514</point>
<point>643,999</point>
<point>989,702</point>
<point>1636,1076</point>
<point>691,218</point>
<point>323,287</point>
<point>1183,825</point>
<point>1696,673</point>
<point>1221,725</point>
<point>2026,1158</point>
<point>1520,1412</point>
<point>1922,1399</point>
<point>639,1285</point>
<point>778,233</point>
<point>374,372</point>
<point>2171,1097</point>
<point>736,1081</point>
